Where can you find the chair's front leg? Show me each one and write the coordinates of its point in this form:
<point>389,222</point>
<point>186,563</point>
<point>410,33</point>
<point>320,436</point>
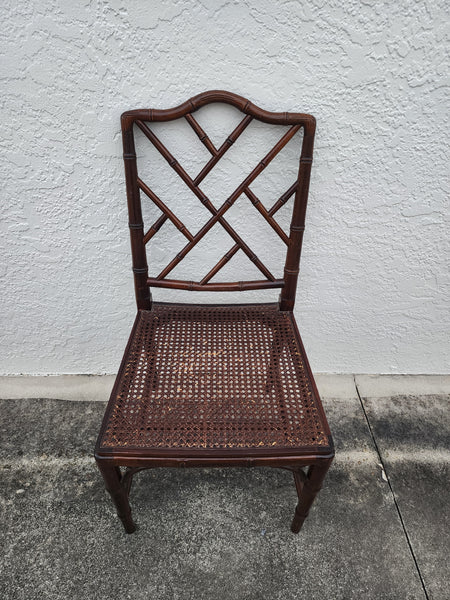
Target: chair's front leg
<point>307,490</point>
<point>112,476</point>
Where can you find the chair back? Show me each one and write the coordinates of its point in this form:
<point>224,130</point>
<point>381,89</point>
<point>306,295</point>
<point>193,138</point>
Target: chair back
<point>140,236</point>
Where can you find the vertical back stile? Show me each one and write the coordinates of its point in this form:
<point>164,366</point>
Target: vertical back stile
<point>291,269</point>
<point>136,225</point>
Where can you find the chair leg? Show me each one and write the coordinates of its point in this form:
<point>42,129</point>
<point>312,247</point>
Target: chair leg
<point>307,488</point>
<point>112,476</point>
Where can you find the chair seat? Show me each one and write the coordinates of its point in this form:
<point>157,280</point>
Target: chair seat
<point>214,378</point>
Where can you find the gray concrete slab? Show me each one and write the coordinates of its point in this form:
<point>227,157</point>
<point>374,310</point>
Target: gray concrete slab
<point>412,434</point>
<point>339,386</point>
<point>48,428</point>
<point>204,534</point>
<point>386,386</point>
<point>336,385</point>
<point>62,387</point>
<point>98,387</point>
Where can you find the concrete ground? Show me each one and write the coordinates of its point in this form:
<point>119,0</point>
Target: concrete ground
<point>379,528</point>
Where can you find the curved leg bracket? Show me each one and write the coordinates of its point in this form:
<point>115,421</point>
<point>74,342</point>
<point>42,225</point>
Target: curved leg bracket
<point>118,485</point>
<point>127,477</point>
<point>307,488</point>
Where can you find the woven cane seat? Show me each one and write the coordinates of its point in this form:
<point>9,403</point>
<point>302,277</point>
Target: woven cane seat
<point>213,377</point>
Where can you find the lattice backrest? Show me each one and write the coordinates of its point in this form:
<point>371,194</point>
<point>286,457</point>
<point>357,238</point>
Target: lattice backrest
<point>135,185</point>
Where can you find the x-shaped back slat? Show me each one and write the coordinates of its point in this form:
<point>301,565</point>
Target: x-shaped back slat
<point>202,136</point>
<point>226,257</point>
<point>223,148</point>
<point>217,213</point>
<point>143,118</point>
<point>251,196</point>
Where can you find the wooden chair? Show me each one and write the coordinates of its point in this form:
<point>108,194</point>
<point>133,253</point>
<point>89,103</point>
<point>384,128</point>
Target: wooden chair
<point>215,385</point>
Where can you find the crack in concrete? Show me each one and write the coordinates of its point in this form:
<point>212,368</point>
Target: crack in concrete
<point>388,480</point>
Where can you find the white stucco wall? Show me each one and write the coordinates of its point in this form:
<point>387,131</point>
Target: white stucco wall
<point>373,293</point>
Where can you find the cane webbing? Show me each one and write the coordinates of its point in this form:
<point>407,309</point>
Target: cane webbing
<point>214,377</point>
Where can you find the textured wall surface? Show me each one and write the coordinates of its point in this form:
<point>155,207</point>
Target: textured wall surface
<point>373,294</point>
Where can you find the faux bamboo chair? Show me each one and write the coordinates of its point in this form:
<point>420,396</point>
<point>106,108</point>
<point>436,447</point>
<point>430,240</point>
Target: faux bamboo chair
<point>215,385</point>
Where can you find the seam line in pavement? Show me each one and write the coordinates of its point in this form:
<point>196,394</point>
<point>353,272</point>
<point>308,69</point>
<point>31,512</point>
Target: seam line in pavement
<point>391,490</point>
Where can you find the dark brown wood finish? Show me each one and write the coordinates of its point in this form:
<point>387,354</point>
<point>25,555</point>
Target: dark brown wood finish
<point>264,415</point>
<point>134,185</point>
<point>217,214</point>
<point>136,225</point>
<point>297,228</point>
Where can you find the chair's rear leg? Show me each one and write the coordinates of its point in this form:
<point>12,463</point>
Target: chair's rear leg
<point>307,489</point>
<point>112,476</point>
